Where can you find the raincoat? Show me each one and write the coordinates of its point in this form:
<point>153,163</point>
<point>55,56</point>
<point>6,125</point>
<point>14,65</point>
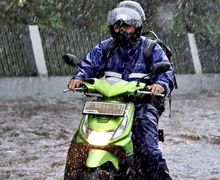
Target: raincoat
<point>126,62</point>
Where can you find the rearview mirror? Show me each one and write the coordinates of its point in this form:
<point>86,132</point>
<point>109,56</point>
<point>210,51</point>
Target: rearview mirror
<point>161,67</point>
<point>70,59</point>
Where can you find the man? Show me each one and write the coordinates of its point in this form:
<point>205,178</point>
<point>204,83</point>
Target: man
<point>123,54</point>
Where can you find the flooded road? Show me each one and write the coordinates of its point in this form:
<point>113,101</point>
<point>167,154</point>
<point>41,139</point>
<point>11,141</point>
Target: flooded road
<point>35,135</point>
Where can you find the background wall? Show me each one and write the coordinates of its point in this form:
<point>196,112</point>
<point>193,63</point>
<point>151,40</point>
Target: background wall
<point>17,56</point>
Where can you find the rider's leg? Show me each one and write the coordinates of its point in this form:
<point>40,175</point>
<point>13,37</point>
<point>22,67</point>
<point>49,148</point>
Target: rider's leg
<point>145,137</point>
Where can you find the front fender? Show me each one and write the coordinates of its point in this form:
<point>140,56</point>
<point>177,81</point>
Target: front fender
<point>98,157</point>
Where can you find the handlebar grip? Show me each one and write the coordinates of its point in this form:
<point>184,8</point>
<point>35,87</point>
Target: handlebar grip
<point>66,90</point>
<point>149,93</point>
<point>80,89</point>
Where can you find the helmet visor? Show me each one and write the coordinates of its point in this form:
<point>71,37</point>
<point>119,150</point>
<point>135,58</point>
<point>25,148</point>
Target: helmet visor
<point>127,15</point>
<point>133,5</point>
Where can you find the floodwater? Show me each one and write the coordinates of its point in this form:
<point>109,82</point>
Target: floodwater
<point>35,135</point>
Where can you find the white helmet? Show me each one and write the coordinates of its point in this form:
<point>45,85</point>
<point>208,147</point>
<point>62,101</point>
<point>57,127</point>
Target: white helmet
<point>125,14</point>
<point>133,5</point>
<point>128,12</point>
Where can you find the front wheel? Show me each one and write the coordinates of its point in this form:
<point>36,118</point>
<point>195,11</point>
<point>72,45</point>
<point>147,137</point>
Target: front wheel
<point>90,174</point>
<point>99,174</point>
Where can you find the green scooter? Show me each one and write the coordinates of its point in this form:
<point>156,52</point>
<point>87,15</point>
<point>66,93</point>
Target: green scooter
<point>102,148</point>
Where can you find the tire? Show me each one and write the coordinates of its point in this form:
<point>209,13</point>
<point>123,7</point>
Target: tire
<point>90,174</point>
<point>98,174</point>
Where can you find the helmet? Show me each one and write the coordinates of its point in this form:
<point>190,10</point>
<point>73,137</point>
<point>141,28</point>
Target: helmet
<point>133,5</point>
<point>130,13</point>
<point>127,15</point>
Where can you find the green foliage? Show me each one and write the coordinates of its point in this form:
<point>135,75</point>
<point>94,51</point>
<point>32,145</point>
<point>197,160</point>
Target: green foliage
<point>44,13</point>
<point>84,13</point>
<point>200,17</point>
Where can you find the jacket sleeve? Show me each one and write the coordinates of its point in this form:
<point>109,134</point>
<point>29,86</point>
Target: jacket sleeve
<point>166,80</point>
<point>92,65</point>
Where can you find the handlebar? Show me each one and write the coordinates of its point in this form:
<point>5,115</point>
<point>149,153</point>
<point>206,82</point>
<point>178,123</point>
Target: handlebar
<point>81,89</point>
<point>66,90</point>
<point>149,93</point>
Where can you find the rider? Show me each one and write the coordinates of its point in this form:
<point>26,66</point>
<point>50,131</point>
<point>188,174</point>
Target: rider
<point>122,56</point>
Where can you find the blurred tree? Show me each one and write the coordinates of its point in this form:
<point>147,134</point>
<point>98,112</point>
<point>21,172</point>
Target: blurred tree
<point>198,16</point>
<point>45,13</point>
<point>84,13</point>
<point>150,9</point>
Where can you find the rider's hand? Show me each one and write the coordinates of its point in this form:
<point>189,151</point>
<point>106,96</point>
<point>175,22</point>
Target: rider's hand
<point>74,83</point>
<point>156,89</point>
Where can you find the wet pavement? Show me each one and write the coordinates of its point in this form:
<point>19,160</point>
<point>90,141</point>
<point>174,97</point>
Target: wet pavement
<point>35,135</point>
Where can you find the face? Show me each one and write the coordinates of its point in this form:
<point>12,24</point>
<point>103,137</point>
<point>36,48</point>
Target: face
<point>124,27</point>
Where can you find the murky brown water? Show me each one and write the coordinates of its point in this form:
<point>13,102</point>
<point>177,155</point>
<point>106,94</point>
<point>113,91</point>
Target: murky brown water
<point>35,135</point>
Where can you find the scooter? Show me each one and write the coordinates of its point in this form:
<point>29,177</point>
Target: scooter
<point>102,148</point>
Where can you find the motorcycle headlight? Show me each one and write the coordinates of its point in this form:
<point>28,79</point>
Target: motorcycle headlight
<point>99,138</point>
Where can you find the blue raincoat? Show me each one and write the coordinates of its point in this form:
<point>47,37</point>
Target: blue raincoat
<point>129,64</point>
<point>126,61</point>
